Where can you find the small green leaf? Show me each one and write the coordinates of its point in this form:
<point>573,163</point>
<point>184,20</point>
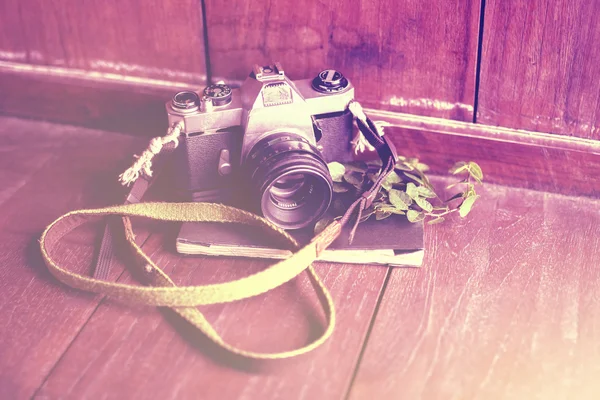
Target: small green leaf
<point>456,196</point>
<point>456,183</point>
<point>426,192</point>
<point>415,216</point>
<point>467,205</point>
<point>376,163</point>
<point>392,178</point>
<point>402,166</point>
<point>405,197</point>
<point>411,190</point>
<point>379,214</point>
<point>366,214</point>
<point>341,187</point>
<point>322,224</point>
<point>399,199</point>
<point>475,171</point>
<point>336,170</point>
<point>377,205</point>
<point>422,167</point>
<point>390,209</point>
<point>436,220</point>
<point>470,190</point>
<point>424,204</point>
<point>459,167</point>
<point>354,178</point>
<point>356,166</point>
<point>414,178</point>
<point>380,196</point>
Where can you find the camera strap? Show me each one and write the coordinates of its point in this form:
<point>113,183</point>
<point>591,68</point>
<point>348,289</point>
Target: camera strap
<point>183,300</point>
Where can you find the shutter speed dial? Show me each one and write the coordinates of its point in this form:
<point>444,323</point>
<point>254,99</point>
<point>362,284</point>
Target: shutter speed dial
<point>218,94</point>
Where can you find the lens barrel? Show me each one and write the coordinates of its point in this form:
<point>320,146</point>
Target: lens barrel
<point>291,180</point>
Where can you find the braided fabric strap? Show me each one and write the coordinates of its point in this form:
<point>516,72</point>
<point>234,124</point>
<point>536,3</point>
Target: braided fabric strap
<point>183,300</point>
<point>143,163</point>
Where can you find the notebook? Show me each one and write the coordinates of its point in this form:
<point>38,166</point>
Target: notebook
<point>393,241</point>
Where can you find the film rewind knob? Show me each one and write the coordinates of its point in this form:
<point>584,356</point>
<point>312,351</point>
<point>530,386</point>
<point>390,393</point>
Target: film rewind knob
<point>330,81</point>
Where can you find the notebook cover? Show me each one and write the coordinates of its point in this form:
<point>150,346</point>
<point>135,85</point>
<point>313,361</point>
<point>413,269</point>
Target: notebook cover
<point>395,235</point>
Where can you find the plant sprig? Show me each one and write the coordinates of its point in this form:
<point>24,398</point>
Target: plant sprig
<point>407,190</point>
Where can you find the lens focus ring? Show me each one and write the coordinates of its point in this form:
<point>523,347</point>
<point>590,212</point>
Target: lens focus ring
<point>291,179</point>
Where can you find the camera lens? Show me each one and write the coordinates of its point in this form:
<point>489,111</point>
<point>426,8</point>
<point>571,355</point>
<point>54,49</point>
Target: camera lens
<point>291,180</point>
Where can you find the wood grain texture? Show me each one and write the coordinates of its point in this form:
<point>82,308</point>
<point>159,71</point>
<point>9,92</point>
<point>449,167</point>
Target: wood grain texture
<point>163,40</point>
<point>412,56</point>
<point>539,68</point>
<point>85,100</point>
<point>47,170</point>
<point>127,352</point>
<point>504,307</point>
<point>509,157</point>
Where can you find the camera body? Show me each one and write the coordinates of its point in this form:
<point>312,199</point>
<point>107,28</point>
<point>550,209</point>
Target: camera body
<point>266,144</point>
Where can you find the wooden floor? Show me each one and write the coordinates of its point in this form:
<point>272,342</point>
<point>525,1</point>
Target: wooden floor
<point>506,305</point>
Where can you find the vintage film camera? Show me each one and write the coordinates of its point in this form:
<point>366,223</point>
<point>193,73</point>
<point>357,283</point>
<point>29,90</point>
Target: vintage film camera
<point>265,146</point>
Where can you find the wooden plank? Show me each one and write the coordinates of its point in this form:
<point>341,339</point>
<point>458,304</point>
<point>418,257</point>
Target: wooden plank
<point>164,41</point>
<point>20,159</point>
<point>57,170</point>
<point>80,98</point>
<point>509,157</point>
<point>505,306</point>
<point>122,347</point>
<point>90,160</point>
<point>539,68</point>
<point>409,56</point>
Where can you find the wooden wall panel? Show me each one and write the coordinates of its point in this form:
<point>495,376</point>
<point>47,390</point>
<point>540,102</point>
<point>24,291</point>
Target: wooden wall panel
<point>510,157</point>
<point>161,40</point>
<point>540,67</point>
<point>408,55</point>
<point>98,103</point>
